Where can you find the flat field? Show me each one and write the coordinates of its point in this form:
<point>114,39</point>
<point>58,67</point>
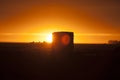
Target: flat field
<point>35,61</point>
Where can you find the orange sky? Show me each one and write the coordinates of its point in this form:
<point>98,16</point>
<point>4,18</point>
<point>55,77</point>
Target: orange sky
<point>92,22</point>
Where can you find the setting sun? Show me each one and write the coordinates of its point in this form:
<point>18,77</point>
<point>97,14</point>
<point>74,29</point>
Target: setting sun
<point>49,38</point>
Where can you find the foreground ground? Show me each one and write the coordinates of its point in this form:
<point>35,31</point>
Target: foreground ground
<point>36,61</point>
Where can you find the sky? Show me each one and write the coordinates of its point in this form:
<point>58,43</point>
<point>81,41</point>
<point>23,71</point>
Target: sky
<point>92,21</point>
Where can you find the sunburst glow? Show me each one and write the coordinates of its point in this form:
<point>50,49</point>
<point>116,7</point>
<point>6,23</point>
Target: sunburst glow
<point>49,38</point>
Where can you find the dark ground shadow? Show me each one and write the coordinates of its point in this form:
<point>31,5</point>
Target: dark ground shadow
<point>36,61</point>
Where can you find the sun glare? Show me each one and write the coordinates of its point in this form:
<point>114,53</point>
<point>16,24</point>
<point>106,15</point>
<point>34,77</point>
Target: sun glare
<point>49,38</point>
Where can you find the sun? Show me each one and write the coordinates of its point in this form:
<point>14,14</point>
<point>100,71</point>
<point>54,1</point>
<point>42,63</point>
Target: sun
<point>49,38</point>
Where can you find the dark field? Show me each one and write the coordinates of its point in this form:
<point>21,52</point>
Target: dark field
<point>36,61</point>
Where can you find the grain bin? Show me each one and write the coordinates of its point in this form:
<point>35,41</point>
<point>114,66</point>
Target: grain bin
<point>63,42</point>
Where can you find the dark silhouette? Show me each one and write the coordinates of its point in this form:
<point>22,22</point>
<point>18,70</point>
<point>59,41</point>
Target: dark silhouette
<point>36,61</point>
<point>62,43</point>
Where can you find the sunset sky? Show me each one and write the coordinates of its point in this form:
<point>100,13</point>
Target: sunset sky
<point>92,21</point>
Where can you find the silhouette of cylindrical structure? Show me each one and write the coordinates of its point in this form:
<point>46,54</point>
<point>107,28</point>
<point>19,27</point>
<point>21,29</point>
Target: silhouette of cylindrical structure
<point>63,42</point>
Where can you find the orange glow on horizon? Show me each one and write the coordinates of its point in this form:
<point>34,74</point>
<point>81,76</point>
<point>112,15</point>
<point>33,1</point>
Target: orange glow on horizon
<point>49,38</point>
<point>27,22</point>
